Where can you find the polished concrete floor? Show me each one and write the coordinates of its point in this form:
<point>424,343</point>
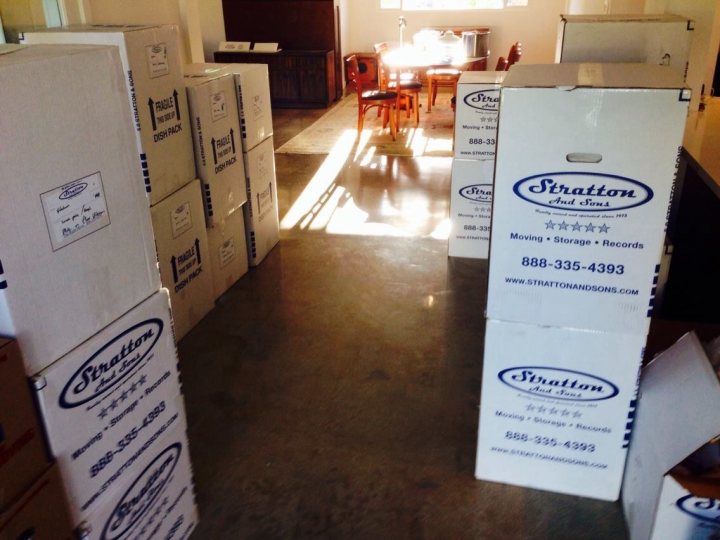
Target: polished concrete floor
<point>333,392</point>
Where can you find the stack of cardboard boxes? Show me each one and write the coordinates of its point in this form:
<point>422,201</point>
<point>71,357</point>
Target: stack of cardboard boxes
<point>478,98</point>
<point>262,223</point>
<point>586,160</point>
<point>220,166</point>
<point>81,288</point>
<point>155,89</point>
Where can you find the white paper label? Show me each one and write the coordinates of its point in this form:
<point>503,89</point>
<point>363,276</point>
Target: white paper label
<point>218,106</point>
<point>157,60</point>
<point>227,252</point>
<point>74,210</point>
<point>181,219</point>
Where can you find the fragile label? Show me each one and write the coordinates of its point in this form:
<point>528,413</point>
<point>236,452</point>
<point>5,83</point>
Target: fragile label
<point>157,60</point>
<point>227,252</point>
<point>181,219</point>
<point>75,210</point>
<point>218,106</point>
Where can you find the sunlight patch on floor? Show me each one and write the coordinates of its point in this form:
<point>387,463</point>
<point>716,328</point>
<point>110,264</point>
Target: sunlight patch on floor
<point>326,205</point>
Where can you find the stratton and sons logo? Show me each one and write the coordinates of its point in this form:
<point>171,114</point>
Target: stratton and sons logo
<point>484,100</point>
<point>558,383</point>
<point>111,364</point>
<point>700,508</point>
<point>73,190</point>
<point>583,192</point>
<point>481,193</point>
<point>141,495</point>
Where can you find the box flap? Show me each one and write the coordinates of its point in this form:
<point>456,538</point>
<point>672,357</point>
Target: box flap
<point>482,77</point>
<point>200,69</point>
<point>625,17</point>
<point>676,390</point>
<point>593,75</point>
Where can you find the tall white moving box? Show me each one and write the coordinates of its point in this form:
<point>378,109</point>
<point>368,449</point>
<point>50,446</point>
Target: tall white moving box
<point>653,39</point>
<point>262,223</point>
<point>153,74</point>
<point>586,161</point>
<point>217,141</point>
<point>108,404</point>
<point>77,244</point>
<point>478,97</point>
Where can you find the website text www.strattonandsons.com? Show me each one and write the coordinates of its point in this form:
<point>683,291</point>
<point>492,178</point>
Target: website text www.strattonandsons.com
<point>571,286</point>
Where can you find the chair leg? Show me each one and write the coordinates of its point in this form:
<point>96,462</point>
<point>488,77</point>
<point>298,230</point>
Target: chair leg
<point>361,119</point>
<point>431,83</point>
<point>416,108</point>
<point>434,92</point>
<point>393,125</point>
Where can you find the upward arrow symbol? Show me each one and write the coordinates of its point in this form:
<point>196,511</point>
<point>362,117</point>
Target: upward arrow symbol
<point>177,105</point>
<point>151,105</point>
<point>173,262</point>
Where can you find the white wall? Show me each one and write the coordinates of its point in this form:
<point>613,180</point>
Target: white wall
<point>183,13</point>
<point>535,26</point>
<point>212,26</point>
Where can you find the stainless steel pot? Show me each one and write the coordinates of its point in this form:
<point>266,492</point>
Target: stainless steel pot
<point>476,43</point>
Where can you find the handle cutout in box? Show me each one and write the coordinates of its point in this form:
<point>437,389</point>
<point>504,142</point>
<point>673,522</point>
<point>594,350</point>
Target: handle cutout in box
<point>583,157</point>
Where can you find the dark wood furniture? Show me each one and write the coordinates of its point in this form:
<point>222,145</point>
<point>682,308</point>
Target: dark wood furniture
<point>298,79</point>
<point>692,292</point>
<point>308,32</point>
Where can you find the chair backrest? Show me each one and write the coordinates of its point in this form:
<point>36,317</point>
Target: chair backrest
<point>515,53</point>
<point>502,64</point>
<point>353,73</point>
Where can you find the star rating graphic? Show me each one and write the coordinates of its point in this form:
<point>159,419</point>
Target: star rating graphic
<point>576,227</point>
<point>124,396</point>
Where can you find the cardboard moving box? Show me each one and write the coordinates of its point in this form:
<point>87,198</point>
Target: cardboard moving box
<point>182,249</point>
<point>677,415</point>
<point>160,494</point>
<point>40,513</point>
<point>478,99</point>
<point>150,57</point>
<point>22,450</point>
<point>653,39</point>
<point>77,244</point>
<point>262,224</point>
<point>105,404</point>
<point>228,252</point>
<point>585,166</point>
<point>556,408</point>
<point>470,206</point>
<point>252,83</point>
<point>216,137</point>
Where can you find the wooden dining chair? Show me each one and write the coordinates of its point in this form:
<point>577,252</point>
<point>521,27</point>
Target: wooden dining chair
<point>385,100</point>
<point>408,86</point>
<point>441,76</point>
<point>515,54</point>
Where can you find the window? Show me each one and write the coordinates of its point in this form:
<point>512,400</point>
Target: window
<point>417,5</point>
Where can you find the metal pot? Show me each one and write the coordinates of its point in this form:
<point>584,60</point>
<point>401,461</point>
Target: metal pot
<point>475,43</point>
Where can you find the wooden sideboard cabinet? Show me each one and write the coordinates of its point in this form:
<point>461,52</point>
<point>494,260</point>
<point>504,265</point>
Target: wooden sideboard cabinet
<point>298,79</point>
